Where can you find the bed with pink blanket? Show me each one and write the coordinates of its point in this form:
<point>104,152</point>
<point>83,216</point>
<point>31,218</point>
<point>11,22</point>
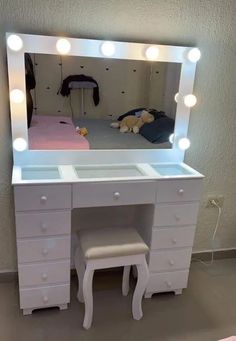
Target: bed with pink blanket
<point>46,132</point>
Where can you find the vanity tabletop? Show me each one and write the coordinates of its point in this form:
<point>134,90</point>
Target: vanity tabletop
<point>45,174</point>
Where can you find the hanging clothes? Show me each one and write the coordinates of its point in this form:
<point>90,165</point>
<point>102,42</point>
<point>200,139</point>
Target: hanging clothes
<point>30,84</point>
<point>65,87</point>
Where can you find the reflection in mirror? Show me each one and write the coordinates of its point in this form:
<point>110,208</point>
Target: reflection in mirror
<point>84,103</point>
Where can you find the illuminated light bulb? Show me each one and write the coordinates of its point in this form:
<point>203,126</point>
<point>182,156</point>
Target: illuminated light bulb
<point>190,100</point>
<point>108,48</point>
<point>19,144</point>
<point>152,53</point>
<point>176,97</point>
<point>171,138</point>
<point>17,96</point>
<point>63,46</point>
<point>184,143</point>
<point>194,55</point>
<point>14,42</point>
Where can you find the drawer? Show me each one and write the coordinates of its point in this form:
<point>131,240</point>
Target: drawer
<point>47,296</point>
<point>44,273</point>
<point>113,194</point>
<point>168,281</point>
<point>42,197</point>
<point>179,190</point>
<point>170,260</point>
<point>31,250</point>
<point>43,224</point>
<point>172,237</point>
<point>171,215</point>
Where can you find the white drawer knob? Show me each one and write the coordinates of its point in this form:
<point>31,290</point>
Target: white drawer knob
<point>181,191</point>
<point>177,217</point>
<point>43,199</point>
<point>44,276</point>
<point>171,262</point>
<point>43,227</point>
<point>169,284</point>
<point>116,195</point>
<point>174,241</point>
<point>45,252</point>
<point>45,299</point>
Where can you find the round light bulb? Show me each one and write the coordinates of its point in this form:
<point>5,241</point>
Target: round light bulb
<point>194,55</point>
<point>190,100</point>
<point>152,53</point>
<point>17,96</point>
<point>19,144</point>
<point>63,46</point>
<point>176,97</point>
<point>14,42</point>
<point>108,48</point>
<point>184,143</point>
<point>171,138</point>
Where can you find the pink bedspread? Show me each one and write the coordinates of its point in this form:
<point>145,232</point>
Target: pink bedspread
<point>46,132</point>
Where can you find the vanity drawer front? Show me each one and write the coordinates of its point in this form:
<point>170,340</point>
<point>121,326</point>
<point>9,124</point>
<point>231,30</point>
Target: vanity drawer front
<point>44,296</point>
<point>43,224</point>
<point>172,237</point>
<point>113,194</point>
<point>174,215</point>
<point>43,249</point>
<point>170,260</point>
<point>42,197</point>
<point>168,281</point>
<point>44,273</point>
<point>179,190</point>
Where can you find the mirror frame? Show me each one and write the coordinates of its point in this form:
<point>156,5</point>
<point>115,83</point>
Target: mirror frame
<point>92,48</point>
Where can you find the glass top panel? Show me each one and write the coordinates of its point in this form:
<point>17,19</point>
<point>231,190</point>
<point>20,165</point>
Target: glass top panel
<point>40,173</point>
<point>107,171</point>
<point>171,170</point>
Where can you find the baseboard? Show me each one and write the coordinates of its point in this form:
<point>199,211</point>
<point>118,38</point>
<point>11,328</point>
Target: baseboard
<point>12,275</point>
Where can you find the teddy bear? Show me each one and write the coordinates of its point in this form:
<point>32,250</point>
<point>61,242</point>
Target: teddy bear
<point>133,123</point>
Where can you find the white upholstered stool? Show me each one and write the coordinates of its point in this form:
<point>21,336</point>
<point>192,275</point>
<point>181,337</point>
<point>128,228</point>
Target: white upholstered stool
<point>107,248</point>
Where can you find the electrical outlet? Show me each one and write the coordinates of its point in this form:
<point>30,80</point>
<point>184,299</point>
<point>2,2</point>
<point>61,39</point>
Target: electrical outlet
<point>219,199</point>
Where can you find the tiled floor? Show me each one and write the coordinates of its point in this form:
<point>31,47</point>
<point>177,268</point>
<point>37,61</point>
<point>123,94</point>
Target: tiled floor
<point>205,311</point>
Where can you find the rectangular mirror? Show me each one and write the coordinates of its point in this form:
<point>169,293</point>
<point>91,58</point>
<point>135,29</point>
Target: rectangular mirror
<point>84,94</point>
<point>95,101</point>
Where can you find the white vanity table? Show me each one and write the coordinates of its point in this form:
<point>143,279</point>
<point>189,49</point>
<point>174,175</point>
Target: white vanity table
<point>45,196</point>
<point>48,184</point>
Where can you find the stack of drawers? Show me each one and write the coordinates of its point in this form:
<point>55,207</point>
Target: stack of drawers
<point>173,232</point>
<point>43,224</point>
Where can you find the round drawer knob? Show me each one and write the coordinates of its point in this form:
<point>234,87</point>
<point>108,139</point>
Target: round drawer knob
<point>44,276</point>
<point>171,262</point>
<point>43,227</point>
<point>45,252</point>
<point>177,217</point>
<point>174,241</point>
<point>45,299</point>
<point>181,191</point>
<point>169,284</point>
<point>43,199</point>
<point>116,195</point>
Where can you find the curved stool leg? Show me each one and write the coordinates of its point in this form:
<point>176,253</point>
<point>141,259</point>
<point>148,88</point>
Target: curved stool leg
<point>125,280</point>
<point>143,276</point>
<point>88,297</point>
<point>80,269</point>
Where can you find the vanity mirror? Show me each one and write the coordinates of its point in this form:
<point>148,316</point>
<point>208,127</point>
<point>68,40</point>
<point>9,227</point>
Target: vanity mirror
<point>67,96</point>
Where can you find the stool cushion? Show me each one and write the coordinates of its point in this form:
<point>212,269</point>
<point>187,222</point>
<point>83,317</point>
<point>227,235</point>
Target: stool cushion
<point>111,242</point>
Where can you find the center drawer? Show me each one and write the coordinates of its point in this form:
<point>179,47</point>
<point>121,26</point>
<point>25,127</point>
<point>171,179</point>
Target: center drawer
<point>167,260</point>
<point>32,250</point>
<point>113,194</point>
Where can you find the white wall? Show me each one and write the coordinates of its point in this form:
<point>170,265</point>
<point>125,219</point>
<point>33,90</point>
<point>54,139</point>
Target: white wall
<point>209,24</point>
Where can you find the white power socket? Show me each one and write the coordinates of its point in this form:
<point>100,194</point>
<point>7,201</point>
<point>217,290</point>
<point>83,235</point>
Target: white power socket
<point>219,199</point>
